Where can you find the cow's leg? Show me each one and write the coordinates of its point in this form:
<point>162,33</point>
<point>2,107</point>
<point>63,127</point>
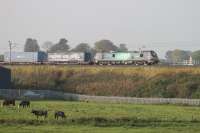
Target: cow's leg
<point>45,116</point>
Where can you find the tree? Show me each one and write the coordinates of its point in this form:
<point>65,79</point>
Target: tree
<point>31,45</point>
<point>196,55</point>
<point>61,46</point>
<point>122,48</point>
<point>168,56</point>
<point>47,45</point>
<point>105,46</point>
<point>1,58</point>
<point>177,55</point>
<point>82,47</point>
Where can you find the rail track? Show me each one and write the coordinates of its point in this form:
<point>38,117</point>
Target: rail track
<point>93,65</point>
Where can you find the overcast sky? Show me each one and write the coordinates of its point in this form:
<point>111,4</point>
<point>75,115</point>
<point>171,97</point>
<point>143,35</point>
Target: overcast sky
<point>160,25</point>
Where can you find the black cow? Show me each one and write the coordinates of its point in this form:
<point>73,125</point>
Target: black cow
<point>59,114</point>
<point>40,113</point>
<point>8,102</point>
<point>24,104</point>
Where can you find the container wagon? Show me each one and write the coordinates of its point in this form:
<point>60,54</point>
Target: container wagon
<point>25,57</point>
<point>132,57</point>
<point>70,58</point>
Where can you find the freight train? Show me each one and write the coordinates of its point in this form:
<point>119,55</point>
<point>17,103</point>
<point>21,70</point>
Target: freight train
<point>101,58</point>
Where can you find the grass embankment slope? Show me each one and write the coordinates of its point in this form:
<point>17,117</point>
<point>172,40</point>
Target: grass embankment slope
<point>170,82</point>
<point>101,117</point>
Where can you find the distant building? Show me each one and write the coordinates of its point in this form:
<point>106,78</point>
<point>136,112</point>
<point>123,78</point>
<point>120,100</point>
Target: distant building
<point>190,62</point>
<point>5,78</point>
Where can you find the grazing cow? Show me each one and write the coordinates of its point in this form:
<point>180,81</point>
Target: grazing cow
<point>59,114</point>
<point>8,102</point>
<point>40,113</point>
<point>24,104</point>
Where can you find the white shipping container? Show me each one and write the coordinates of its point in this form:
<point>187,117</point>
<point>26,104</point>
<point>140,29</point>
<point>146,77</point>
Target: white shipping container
<point>66,57</point>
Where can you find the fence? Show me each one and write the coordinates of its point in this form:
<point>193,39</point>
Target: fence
<point>54,95</point>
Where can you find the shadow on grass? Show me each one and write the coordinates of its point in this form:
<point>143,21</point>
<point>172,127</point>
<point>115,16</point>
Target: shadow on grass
<point>104,122</point>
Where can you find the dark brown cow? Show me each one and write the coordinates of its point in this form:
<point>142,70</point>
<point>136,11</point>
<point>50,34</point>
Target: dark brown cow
<point>40,113</point>
<point>59,114</point>
<point>24,104</point>
<point>8,102</point>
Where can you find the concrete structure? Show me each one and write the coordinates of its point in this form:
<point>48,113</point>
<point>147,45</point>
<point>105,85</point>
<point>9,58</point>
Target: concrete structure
<point>5,78</point>
<point>54,95</point>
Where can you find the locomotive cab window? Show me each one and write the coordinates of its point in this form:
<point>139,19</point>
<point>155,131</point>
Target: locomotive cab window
<point>153,54</point>
<point>113,55</point>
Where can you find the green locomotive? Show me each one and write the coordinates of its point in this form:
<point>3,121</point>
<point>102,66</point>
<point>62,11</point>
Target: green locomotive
<point>132,57</point>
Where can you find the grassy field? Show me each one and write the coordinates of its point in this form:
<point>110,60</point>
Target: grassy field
<point>101,117</point>
<point>168,82</point>
<point>90,129</point>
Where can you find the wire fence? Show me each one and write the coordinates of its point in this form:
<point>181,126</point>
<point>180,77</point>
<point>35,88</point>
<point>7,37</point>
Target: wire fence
<point>54,95</point>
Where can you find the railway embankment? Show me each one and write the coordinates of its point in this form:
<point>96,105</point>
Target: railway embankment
<point>152,82</point>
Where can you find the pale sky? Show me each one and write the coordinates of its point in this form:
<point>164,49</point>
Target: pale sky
<point>160,25</point>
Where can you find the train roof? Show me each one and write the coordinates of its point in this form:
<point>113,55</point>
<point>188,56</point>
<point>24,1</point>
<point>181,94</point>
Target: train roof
<point>127,51</point>
<point>70,52</point>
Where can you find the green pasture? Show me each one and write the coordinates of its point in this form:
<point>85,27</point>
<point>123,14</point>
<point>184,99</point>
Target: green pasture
<point>91,129</point>
<point>100,118</point>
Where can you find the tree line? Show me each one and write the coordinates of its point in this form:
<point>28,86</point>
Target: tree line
<point>172,56</point>
<point>31,45</point>
<point>178,55</point>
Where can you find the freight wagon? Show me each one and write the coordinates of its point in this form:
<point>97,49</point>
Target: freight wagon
<point>134,57</point>
<point>70,58</point>
<point>25,57</point>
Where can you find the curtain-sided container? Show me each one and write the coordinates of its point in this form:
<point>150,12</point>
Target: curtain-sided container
<point>71,57</point>
<point>25,57</point>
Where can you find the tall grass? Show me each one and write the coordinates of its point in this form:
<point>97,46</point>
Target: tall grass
<point>183,82</point>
